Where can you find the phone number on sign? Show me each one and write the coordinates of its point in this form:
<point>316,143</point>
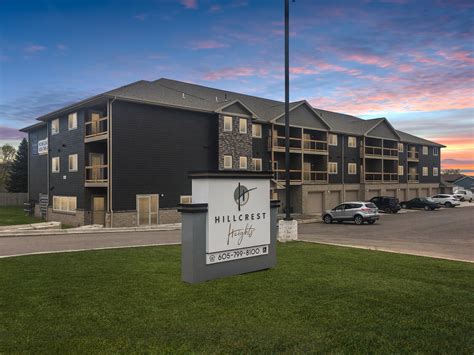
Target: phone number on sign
<point>236,254</point>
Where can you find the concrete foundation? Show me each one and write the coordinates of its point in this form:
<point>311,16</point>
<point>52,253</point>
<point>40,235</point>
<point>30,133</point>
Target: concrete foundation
<point>71,219</point>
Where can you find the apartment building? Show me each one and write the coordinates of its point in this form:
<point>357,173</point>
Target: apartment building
<point>122,158</point>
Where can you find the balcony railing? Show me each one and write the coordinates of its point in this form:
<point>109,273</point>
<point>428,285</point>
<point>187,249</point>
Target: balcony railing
<point>390,176</point>
<point>381,151</point>
<point>413,178</point>
<point>381,177</point>
<point>413,155</point>
<point>297,144</point>
<point>371,176</point>
<point>97,128</point>
<point>317,176</point>
<point>295,175</point>
<point>96,174</point>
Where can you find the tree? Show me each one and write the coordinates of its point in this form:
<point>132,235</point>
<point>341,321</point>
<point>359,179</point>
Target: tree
<point>6,157</point>
<point>451,171</point>
<point>8,153</point>
<point>17,178</point>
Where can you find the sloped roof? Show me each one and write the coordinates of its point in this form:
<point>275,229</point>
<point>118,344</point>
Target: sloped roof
<point>452,177</point>
<point>172,93</point>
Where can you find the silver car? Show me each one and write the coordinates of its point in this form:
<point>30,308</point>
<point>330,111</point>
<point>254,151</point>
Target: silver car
<point>358,211</point>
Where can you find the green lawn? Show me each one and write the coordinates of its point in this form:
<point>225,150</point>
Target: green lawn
<point>15,215</point>
<point>318,299</point>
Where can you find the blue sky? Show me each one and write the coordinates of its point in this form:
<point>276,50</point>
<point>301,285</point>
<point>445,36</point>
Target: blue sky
<point>411,61</point>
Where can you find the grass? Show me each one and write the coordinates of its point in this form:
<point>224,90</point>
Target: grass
<point>318,299</point>
<point>15,215</point>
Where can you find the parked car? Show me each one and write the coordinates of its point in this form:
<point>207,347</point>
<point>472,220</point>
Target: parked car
<point>358,211</point>
<point>386,203</point>
<point>464,195</point>
<point>446,200</point>
<point>421,202</point>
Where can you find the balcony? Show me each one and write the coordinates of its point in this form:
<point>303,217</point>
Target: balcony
<point>277,143</point>
<point>96,176</point>
<point>390,177</point>
<point>96,129</point>
<point>380,177</point>
<point>381,152</point>
<point>413,178</point>
<point>315,176</point>
<point>295,176</point>
<point>413,155</point>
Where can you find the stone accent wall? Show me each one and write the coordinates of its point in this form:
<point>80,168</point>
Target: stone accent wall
<point>169,216</point>
<point>235,143</point>
<point>71,219</point>
<point>121,219</point>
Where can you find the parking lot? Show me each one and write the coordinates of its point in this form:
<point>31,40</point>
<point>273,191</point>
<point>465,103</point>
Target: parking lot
<point>445,233</point>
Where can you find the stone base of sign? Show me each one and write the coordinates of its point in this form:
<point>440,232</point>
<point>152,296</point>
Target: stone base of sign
<point>193,250</point>
<point>287,230</point>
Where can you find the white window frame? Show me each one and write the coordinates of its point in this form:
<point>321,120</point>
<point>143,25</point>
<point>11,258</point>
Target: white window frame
<point>53,159</point>
<point>254,161</point>
<point>425,150</point>
<point>72,117</point>
<point>242,120</point>
<point>75,163</point>
<point>401,169</point>
<point>55,126</point>
<point>229,159</point>
<point>425,171</point>
<point>332,163</point>
<point>150,213</point>
<point>69,201</point>
<point>435,151</point>
<point>228,123</point>
<point>332,139</point>
<point>254,127</point>
<point>185,199</point>
<point>400,147</point>
<point>352,142</point>
<point>352,168</point>
<point>435,171</point>
<point>243,166</point>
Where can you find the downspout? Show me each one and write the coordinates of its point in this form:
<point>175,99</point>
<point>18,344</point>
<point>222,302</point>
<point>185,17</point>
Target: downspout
<point>110,162</point>
<point>343,171</point>
<point>48,131</point>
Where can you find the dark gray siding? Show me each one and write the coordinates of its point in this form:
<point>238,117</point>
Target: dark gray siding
<point>351,155</point>
<point>383,130</point>
<point>403,158</point>
<point>260,148</point>
<point>429,161</point>
<point>303,116</point>
<point>335,155</point>
<point>154,149</point>
<point>37,165</point>
<point>61,145</point>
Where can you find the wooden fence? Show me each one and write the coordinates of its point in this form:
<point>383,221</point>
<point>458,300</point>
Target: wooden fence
<point>13,198</point>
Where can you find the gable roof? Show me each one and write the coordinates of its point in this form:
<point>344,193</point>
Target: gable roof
<point>188,96</point>
<point>453,177</point>
<point>379,125</point>
<point>304,115</point>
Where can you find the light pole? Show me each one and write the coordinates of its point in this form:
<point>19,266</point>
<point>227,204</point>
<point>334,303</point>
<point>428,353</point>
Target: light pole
<point>287,111</point>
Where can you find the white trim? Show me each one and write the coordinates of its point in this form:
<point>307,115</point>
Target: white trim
<point>353,140</point>
<point>255,125</point>
<point>254,165</point>
<point>150,213</point>
<point>435,151</point>
<point>330,140</point>
<point>435,171</point>
<point>401,171</point>
<point>54,130</point>
<point>424,150</point>
<point>332,163</point>
<point>354,166</point>
<point>185,199</point>
<point>227,166</point>
<point>72,116</point>
<point>227,118</point>
<point>241,120</point>
<point>423,170</point>
<point>401,147</point>
<point>243,166</point>
<point>60,201</point>
<point>74,169</point>
<point>58,159</point>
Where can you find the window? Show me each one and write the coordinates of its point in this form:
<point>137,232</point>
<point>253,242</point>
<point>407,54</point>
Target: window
<point>400,170</point>
<point>332,168</point>
<point>425,171</point>
<point>227,124</point>
<point>332,139</point>
<point>352,168</point>
<point>185,199</point>
<point>351,142</point>
<point>435,171</point>
<point>257,164</point>
<point>256,130</point>
<point>435,151</point>
<point>243,125</point>
<point>73,162</point>
<point>55,126</point>
<point>147,209</point>
<point>400,147</point>
<point>55,165</point>
<point>243,162</point>
<point>227,161</point>
<point>72,121</point>
<point>425,150</point>
<point>64,203</point>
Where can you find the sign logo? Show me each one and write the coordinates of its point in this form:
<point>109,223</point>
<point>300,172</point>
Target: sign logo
<point>242,195</point>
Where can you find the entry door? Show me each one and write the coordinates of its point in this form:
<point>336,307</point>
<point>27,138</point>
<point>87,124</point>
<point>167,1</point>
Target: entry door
<point>96,161</point>
<point>98,210</point>
<point>95,117</point>
<point>306,171</point>
<point>147,210</point>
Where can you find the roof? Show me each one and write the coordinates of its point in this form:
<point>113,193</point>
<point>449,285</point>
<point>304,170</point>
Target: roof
<point>188,96</point>
<point>33,126</point>
<point>452,177</point>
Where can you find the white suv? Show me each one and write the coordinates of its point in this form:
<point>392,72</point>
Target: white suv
<point>446,200</point>
<point>463,195</point>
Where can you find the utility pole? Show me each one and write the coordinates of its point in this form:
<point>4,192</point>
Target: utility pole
<point>287,111</point>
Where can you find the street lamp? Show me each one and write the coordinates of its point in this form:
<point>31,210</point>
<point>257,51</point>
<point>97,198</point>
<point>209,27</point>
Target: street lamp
<point>287,111</point>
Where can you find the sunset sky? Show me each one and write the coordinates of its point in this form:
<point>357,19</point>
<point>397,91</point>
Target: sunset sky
<point>411,61</point>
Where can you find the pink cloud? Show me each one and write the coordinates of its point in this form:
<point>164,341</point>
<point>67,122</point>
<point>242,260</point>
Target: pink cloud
<point>369,59</point>
<point>234,73</point>
<point>34,48</point>
<point>190,4</point>
<point>459,56</point>
<point>8,133</point>
<point>215,8</point>
<point>209,44</point>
